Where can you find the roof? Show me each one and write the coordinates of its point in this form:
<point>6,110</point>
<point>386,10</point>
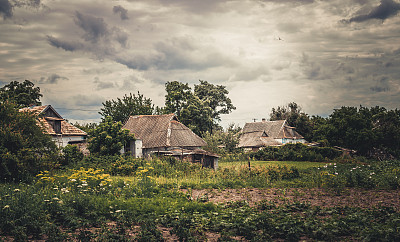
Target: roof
<point>275,129</point>
<point>259,134</point>
<point>256,139</point>
<point>179,152</point>
<point>162,131</point>
<point>47,115</point>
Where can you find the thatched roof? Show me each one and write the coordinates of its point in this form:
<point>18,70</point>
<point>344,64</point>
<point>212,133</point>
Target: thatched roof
<point>47,114</point>
<point>162,131</point>
<point>259,134</point>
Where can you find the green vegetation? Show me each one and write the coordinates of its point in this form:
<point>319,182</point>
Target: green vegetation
<point>24,149</point>
<point>22,94</point>
<point>121,109</point>
<point>108,138</point>
<point>62,195</point>
<point>87,203</point>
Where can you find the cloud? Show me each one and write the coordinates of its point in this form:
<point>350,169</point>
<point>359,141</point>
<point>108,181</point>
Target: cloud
<point>65,45</point>
<point>6,9</point>
<point>385,10</point>
<point>94,28</point>
<point>52,79</point>
<point>123,13</point>
<point>103,84</point>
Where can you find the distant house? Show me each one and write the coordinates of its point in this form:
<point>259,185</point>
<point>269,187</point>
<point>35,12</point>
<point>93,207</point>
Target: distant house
<point>62,132</point>
<point>165,135</point>
<point>268,133</point>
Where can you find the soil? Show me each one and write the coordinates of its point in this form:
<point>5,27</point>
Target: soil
<point>316,196</point>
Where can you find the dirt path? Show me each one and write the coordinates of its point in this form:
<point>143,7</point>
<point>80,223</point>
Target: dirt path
<point>316,196</point>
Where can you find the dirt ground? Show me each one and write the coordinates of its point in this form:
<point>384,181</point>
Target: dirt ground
<point>315,196</point>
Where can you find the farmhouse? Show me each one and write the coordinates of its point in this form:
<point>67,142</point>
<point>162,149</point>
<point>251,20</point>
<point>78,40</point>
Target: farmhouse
<point>62,132</point>
<point>268,133</point>
<point>165,135</point>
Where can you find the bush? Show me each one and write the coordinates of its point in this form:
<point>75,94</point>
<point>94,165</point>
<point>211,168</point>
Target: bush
<point>24,148</point>
<point>296,152</point>
<point>71,155</point>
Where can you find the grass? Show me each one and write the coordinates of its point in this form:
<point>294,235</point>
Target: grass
<point>299,165</point>
<point>88,204</point>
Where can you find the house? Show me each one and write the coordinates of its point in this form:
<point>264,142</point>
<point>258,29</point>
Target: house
<point>62,132</point>
<point>165,135</point>
<point>268,133</point>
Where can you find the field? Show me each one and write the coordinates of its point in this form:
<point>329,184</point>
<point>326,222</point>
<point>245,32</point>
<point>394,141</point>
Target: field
<point>172,200</point>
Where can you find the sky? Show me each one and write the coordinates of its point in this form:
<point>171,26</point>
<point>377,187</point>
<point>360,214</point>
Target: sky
<point>321,54</point>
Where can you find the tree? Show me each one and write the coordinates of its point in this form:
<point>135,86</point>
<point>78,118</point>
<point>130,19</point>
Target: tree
<point>109,138</point>
<point>178,94</point>
<point>22,94</point>
<point>121,109</point>
<point>196,115</point>
<point>295,117</point>
<point>216,98</point>
<point>24,148</point>
<point>223,142</point>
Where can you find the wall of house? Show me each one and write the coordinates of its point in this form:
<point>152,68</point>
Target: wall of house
<point>290,141</point>
<point>62,141</point>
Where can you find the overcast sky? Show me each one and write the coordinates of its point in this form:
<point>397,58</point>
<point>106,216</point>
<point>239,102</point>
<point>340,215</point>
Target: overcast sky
<point>322,54</point>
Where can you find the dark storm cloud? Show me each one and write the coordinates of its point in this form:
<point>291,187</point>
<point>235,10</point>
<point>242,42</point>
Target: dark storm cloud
<point>52,79</point>
<point>94,27</point>
<point>65,45</point>
<point>6,9</point>
<point>385,10</point>
<point>123,13</point>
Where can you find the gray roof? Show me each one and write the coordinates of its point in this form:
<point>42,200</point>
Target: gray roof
<point>275,129</point>
<point>258,134</point>
<point>256,139</point>
<point>162,131</point>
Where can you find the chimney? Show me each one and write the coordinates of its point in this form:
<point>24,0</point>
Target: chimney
<point>263,119</point>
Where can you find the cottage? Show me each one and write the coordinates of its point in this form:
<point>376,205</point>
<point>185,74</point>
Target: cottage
<point>164,134</point>
<point>268,133</point>
<point>62,132</point>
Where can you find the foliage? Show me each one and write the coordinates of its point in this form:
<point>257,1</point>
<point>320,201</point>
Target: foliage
<point>21,94</point>
<point>215,96</point>
<point>371,131</point>
<point>296,152</point>
<point>82,204</point>
<point>87,127</point>
<point>199,110</point>
<point>196,115</point>
<point>178,94</point>
<point>24,148</point>
<point>109,138</point>
<point>71,155</point>
<point>121,109</point>
<point>223,142</point>
<point>295,117</point>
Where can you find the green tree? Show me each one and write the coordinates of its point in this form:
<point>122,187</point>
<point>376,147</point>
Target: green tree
<point>22,94</point>
<point>223,142</point>
<point>177,97</point>
<point>216,97</point>
<point>24,148</point>
<point>196,115</point>
<point>295,117</point>
<point>121,109</point>
<point>109,138</point>
<point>87,127</point>
<point>71,155</point>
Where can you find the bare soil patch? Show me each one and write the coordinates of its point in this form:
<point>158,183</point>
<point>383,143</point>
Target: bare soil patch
<point>350,197</point>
